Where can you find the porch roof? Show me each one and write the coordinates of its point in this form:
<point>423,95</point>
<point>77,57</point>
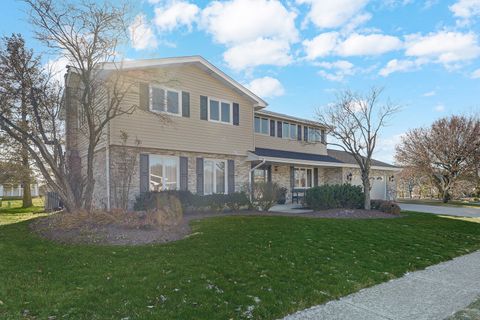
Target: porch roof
<point>300,158</point>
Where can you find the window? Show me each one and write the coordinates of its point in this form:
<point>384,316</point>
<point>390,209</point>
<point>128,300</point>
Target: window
<point>215,176</point>
<point>259,175</point>
<point>261,125</point>
<point>293,131</point>
<point>220,111</point>
<point>164,174</point>
<point>313,135</point>
<point>303,177</point>
<point>164,100</point>
<point>286,130</point>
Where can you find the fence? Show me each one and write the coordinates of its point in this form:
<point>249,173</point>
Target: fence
<point>52,202</point>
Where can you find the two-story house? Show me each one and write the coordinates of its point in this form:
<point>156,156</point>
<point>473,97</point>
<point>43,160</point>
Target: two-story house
<point>219,137</point>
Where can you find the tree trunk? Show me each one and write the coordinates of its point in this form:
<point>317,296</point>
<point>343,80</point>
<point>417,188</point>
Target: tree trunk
<point>366,192</point>
<point>27,193</point>
<point>445,196</point>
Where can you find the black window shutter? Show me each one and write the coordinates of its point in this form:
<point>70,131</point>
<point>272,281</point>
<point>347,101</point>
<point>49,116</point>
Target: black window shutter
<point>272,128</point>
<point>315,177</point>
<point>231,176</point>
<point>236,114</point>
<point>269,173</point>
<point>299,132</point>
<point>203,108</point>
<point>324,137</point>
<point>305,133</point>
<point>292,177</point>
<point>279,129</point>
<point>185,104</point>
<point>144,173</point>
<point>200,176</point>
<point>183,173</point>
<point>144,96</point>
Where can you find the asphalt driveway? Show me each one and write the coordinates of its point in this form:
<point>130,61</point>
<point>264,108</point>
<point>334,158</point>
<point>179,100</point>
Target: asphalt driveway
<point>450,211</point>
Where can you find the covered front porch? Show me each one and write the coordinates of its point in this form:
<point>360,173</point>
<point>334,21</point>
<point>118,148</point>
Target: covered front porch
<point>296,172</point>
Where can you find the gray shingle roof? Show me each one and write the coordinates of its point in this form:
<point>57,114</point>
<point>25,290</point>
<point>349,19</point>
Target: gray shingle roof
<point>294,155</point>
<point>288,117</point>
<point>346,157</point>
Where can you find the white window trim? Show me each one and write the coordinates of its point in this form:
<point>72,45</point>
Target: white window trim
<point>177,161</point>
<point>150,99</point>
<point>220,101</point>
<point>268,125</point>
<point>295,179</point>
<point>289,131</point>
<point>215,176</point>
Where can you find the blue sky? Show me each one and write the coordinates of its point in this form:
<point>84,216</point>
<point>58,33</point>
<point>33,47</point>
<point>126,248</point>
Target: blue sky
<point>297,54</point>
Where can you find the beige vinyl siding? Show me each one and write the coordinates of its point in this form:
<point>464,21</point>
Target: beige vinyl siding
<point>268,142</point>
<point>188,133</point>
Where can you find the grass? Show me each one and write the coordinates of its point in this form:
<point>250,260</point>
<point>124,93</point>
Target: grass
<point>11,211</point>
<point>433,202</point>
<point>230,268</point>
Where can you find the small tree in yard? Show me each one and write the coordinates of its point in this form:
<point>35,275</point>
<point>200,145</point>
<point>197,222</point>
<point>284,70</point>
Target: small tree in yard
<point>447,151</point>
<point>122,172</point>
<point>355,121</point>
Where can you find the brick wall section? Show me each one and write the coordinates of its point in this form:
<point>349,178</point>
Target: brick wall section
<point>100,176</point>
<point>242,167</point>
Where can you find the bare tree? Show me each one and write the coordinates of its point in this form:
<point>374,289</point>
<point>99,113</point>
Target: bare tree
<point>88,35</point>
<point>355,121</point>
<point>122,172</point>
<point>447,151</point>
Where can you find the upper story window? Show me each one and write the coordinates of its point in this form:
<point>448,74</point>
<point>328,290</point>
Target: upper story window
<point>165,100</point>
<point>313,135</point>
<point>261,125</point>
<point>219,110</point>
<point>289,131</point>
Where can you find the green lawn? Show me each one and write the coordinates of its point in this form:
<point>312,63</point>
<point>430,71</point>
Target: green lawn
<point>11,211</point>
<point>231,268</point>
<point>433,202</point>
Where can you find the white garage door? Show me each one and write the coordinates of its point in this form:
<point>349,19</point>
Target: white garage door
<point>378,187</point>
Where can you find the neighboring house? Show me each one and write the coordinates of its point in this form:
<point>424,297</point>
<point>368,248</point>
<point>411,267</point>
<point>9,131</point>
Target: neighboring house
<point>220,137</point>
<point>16,190</point>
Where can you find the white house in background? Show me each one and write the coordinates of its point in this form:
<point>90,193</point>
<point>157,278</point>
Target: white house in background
<point>16,190</point>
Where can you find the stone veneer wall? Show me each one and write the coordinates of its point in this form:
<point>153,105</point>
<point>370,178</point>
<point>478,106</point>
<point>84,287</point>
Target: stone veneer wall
<point>242,167</point>
<point>100,175</point>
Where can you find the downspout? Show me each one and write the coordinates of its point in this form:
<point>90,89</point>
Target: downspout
<point>250,176</point>
<point>107,165</point>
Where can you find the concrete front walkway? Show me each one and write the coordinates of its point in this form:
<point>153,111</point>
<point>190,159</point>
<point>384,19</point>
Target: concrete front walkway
<point>434,293</point>
<point>450,211</point>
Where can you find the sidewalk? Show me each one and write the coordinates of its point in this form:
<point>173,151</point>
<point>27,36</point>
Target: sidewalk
<point>434,293</point>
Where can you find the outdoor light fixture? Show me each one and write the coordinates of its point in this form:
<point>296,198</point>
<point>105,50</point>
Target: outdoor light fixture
<point>349,177</point>
<point>391,178</point>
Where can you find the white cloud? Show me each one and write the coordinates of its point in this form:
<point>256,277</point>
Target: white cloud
<point>385,149</point>
<point>332,13</point>
<point>176,14</point>
<point>322,45</point>
<point>141,34</point>
<point>476,74</point>
<point>465,10</point>
<point>258,52</point>
<point>240,21</point>
<point>266,87</point>
<point>331,43</point>
<point>336,71</point>
<point>439,108</point>
<point>444,47</point>
<point>396,65</point>
<point>430,93</point>
<point>368,45</point>
<point>57,68</point>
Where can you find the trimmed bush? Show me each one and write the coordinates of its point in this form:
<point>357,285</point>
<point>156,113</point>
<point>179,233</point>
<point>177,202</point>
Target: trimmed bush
<point>335,196</point>
<point>236,201</point>
<point>390,207</point>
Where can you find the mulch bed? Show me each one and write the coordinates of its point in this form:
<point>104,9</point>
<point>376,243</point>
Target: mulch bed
<point>112,234</point>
